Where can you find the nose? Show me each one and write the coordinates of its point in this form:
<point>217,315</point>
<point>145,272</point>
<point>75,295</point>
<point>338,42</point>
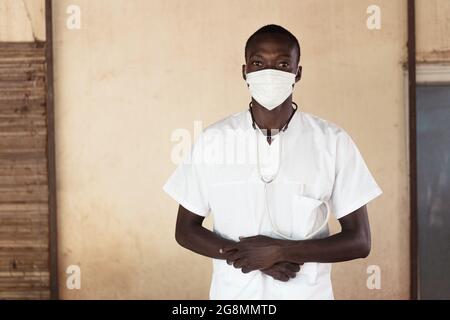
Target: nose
<point>271,65</point>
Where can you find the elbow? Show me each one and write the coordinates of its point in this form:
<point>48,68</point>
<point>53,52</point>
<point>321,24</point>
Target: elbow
<point>179,237</point>
<point>182,237</point>
<point>364,246</point>
<point>359,244</point>
<point>365,250</point>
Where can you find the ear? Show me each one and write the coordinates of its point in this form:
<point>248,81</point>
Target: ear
<point>243,72</point>
<point>299,74</point>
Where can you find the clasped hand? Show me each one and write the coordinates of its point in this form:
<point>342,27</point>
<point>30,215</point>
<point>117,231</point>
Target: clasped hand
<point>260,253</point>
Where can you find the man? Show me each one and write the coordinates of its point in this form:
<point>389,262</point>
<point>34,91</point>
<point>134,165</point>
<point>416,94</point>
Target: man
<point>270,238</point>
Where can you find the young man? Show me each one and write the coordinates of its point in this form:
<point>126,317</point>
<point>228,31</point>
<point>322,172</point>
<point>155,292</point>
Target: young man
<point>272,190</point>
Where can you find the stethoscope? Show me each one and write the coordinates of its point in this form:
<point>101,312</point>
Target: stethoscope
<point>311,268</point>
<point>267,181</point>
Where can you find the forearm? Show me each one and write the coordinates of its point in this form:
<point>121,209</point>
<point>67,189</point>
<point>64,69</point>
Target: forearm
<point>203,241</point>
<point>343,246</point>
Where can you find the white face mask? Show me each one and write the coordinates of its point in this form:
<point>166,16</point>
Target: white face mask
<point>270,87</point>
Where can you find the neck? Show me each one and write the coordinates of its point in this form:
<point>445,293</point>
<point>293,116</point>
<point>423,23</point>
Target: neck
<point>272,119</point>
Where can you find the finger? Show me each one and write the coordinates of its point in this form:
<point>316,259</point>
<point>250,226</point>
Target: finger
<point>270,272</point>
<point>292,267</point>
<point>239,263</point>
<point>283,277</point>
<point>228,248</point>
<point>233,257</point>
<point>274,273</point>
<point>249,267</point>
<point>291,274</point>
<point>246,269</point>
<point>280,276</point>
<point>287,272</point>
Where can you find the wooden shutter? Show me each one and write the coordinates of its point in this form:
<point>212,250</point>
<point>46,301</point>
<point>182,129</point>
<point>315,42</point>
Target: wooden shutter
<point>24,192</point>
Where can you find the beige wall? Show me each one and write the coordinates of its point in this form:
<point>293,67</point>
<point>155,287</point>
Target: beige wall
<point>135,72</point>
<point>22,20</point>
<point>433,30</point>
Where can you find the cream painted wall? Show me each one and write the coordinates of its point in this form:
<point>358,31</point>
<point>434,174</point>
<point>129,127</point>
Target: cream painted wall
<point>22,20</point>
<point>433,30</point>
<point>135,72</point>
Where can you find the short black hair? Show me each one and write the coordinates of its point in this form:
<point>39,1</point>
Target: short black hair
<point>273,28</point>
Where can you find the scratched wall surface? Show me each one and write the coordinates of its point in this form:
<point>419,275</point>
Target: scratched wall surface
<point>24,210</point>
<point>24,272</point>
<point>22,20</point>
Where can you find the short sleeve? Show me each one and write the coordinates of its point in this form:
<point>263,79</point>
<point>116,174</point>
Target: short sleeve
<point>354,185</point>
<point>187,185</point>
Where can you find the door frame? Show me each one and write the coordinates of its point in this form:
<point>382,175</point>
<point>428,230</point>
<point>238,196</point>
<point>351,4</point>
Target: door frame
<point>51,167</point>
<point>427,73</point>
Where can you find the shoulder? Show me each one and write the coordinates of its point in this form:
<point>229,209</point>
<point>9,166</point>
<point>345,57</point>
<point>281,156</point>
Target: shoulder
<point>216,134</point>
<point>237,122</point>
<point>327,135</point>
<point>233,121</point>
<point>321,127</point>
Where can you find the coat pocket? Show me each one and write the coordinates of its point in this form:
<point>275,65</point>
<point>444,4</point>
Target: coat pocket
<point>305,212</point>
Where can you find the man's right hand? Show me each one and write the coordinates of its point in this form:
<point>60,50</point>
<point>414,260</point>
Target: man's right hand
<point>282,271</point>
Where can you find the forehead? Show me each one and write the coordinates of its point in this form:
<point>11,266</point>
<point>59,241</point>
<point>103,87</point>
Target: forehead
<point>271,45</point>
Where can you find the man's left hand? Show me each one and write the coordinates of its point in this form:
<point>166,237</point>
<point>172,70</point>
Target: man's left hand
<point>253,253</point>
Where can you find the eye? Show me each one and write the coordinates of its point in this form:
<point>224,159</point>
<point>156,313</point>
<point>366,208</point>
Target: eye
<point>257,63</point>
<point>284,64</point>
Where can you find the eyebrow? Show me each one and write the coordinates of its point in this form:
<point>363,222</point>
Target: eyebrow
<point>279,56</point>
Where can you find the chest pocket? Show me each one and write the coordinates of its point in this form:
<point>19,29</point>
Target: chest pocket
<point>307,215</point>
<point>308,210</point>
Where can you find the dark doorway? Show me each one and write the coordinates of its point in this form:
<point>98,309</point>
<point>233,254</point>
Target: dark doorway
<point>433,191</point>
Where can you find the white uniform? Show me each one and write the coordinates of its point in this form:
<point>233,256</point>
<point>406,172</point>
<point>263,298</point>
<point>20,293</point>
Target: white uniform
<point>319,162</point>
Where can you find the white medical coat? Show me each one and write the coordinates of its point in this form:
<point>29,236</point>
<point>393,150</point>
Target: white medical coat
<point>319,162</point>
